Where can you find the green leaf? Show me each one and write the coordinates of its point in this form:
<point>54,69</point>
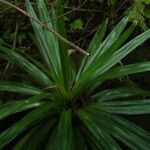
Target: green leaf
<point>111,2</point>
<point>94,44</point>
<point>118,93</point>
<point>119,54</point>
<point>21,144</point>
<point>110,39</point>
<point>146,1</point>
<point>122,38</point>
<point>136,14</point>
<point>29,120</point>
<point>65,60</point>
<point>53,15</point>
<point>52,138</point>
<point>91,141</point>
<point>55,57</point>
<point>77,25</point>
<point>127,107</point>
<point>126,132</point>
<point>130,134</point>
<point>100,133</point>
<point>22,105</point>
<point>39,136</point>
<point>107,62</point>
<point>26,64</point>
<point>19,88</point>
<point>147,13</point>
<point>119,72</point>
<point>125,70</point>
<point>64,136</point>
<point>98,37</point>
<point>116,44</point>
<point>48,43</point>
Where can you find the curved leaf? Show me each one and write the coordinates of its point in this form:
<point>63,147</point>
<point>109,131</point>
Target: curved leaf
<point>99,132</point>
<point>95,72</point>
<point>18,106</point>
<point>26,65</point>
<point>38,136</point>
<point>94,44</point>
<point>125,131</point>
<point>65,60</point>
<point>47,42</point>
<point>127,107</point>
<point>125,70</point>
<point>122,92</point>
<point>130,134</point>
<point>64,136</point>
<point>19,88</point>
<point>21,144</point>
<point>30,119</point>
<point>110,39</point>
<point>113,73</point>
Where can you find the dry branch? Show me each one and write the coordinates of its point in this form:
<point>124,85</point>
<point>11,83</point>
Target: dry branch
<point>46,28</point>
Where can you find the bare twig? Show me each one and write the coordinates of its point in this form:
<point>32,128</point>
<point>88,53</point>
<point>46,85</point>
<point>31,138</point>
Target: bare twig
<point>46,28</point>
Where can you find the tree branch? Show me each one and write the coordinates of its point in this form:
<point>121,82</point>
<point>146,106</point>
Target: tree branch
<point>46,28</point>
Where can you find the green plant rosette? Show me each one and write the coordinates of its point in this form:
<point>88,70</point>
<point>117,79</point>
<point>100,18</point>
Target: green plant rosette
<point>63,111</point>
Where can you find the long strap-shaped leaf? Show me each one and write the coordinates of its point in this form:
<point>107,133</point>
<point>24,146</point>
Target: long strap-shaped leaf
<point>128,107</point>
<point>21,144</point>
<point>91,141</point>
<point>100,133</point>
<point>118,93</point>
<point>109,40</point>
<point>30,119</point>
<point>19,88</point>
<point>114,73</point>
<point>64,136</point>
<point>130,134</point>
<point>115,58</point>
<point>120,71</point>
<point>19,106</point>
<point>38,135</point>
<point>94,45</point>
<point>124,51</point>
<point>124,70</point>
<point>97,63</point>
<point>101,59</point>
<point>108,53</point>
<point>48,43</point>
<point>118,55</point>
<point>65,62</point>
<point>53,44</point>
<point>125,131</point>
<point>26,65</point>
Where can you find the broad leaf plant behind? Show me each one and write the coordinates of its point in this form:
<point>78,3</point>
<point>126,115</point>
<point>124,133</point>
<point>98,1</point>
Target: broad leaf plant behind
<point>63,111</point>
